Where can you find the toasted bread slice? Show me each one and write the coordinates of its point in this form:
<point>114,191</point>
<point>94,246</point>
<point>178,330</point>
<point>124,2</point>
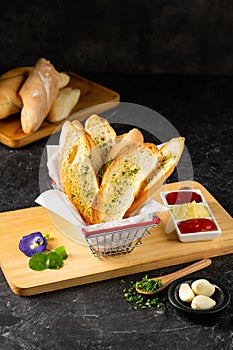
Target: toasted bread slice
<point>77,170</point>
<point>169,156</point>
<point>68,139</point>
<point>69,142</point>
<point>121,182</point>
<point>102,133</point>
<point>123,144</point>
<point>129,139</point>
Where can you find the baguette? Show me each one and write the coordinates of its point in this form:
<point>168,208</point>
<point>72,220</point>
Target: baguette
<point>63,77</point>
<point>122,181</point>
<point>17,71</point>
<point>10,102</point>
<point>102,133</point>
<point>169,156</point>
<point>63,104</point>
<point>77,171</point>
<point>38,94</point>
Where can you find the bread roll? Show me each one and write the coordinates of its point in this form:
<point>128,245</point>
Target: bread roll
<point>65,101</point>
<point>38,94</point>
<point>10,102</point>
<point>17,71</point>
<point>63,77</point>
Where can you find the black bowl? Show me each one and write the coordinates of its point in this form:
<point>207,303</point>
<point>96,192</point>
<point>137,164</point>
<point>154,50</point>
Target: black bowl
<point>221,296</point>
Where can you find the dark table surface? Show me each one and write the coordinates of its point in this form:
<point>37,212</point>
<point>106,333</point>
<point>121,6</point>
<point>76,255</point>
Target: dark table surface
<point>97,316</point>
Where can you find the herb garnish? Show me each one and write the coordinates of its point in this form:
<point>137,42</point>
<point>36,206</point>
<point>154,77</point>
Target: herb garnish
<point>62,252</point>
<point>102,171</point>
<point>141,301</point>
<point>38,262</point>
<point>149,285</point>
<point>34,246</point>
<point>51,260</point>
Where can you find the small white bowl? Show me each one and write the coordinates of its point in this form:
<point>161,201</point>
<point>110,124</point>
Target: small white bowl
<point>193,236</point>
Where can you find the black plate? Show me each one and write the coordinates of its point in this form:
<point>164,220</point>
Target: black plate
<point>221,296</point>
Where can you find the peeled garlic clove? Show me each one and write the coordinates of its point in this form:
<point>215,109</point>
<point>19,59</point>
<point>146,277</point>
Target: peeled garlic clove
<point>185,293</point>
<point>203,287</point>
<point>202,302</point>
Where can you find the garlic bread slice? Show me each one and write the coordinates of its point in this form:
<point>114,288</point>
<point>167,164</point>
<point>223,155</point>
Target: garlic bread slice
<point>121,182</point>
<point>102,133</point>
<point>78,173</point>
<point>169,156</point>
<point>133,137</point>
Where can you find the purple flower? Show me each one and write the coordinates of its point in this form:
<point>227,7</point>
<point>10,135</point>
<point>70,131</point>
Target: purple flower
<point>33,243</point>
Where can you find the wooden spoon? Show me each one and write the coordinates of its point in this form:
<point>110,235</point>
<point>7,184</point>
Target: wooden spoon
<point>167,279</point>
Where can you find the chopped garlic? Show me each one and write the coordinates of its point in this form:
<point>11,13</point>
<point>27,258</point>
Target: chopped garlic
<point>191,210</point>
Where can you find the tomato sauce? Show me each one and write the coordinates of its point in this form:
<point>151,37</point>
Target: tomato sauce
<point>182,197</point>
<point>196,225</point>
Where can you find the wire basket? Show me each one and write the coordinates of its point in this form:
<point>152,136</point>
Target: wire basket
<point>118,240</point>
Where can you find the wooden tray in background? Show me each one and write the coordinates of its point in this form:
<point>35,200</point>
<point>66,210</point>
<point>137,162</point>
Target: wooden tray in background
<point>157,251</point>
<point>92,94</point>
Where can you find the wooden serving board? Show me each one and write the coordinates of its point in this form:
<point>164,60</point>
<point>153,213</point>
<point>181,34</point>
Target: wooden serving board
<point>82,267</point>
<point>92,94</point>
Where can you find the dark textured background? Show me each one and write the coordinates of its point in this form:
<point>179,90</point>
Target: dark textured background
<point>150,36</point>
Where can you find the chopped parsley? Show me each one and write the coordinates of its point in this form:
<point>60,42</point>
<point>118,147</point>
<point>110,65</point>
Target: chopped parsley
<point>102,171</point>
<point>139,301</point>
<point>149,285</point>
